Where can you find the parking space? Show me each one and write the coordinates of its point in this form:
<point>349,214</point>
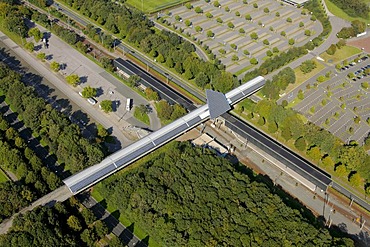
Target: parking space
<point>337,103</point>
<point>267,26</point>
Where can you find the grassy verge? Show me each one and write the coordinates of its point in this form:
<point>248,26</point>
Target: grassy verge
<point>3,176</point>
<point>340,13</point>
<point>141,116</point>
<point>341,54</point>
<point>153,5</point>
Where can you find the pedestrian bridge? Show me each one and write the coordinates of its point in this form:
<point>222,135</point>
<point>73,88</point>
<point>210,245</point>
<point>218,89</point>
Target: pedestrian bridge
<point>217,104</point>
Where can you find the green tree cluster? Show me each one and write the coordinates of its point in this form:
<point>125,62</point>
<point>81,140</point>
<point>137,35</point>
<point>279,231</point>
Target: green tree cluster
<point>278,83</point>
<point>176,194</point>
<point>167,112</point>
<point>307,66</point>
<point>136,28</point>
<point>56,131</point>
<point>354,8</point>
<point>67,224</point>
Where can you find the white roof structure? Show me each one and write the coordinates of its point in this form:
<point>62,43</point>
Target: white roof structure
<point>124,157</point>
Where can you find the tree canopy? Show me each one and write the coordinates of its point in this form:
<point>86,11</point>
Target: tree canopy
<point>176,198</point>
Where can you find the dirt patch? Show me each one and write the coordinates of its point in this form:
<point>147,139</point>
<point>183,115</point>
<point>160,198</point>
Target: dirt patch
<point>363,43</point>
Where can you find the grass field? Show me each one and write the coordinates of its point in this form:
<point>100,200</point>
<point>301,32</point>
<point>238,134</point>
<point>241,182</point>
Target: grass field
<point>150,6</point>
<point>340,54</point>
<point>340,13</point>
<point>3,177</point>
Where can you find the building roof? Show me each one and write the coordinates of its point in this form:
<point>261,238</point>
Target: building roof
<point>217,103</point>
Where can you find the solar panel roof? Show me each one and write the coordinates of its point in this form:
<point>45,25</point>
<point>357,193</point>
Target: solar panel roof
<point>217,103</point>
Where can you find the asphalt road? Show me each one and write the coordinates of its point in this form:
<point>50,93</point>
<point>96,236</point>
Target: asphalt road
<point>172,96</point>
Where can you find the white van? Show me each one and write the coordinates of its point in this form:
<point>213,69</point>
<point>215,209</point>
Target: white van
<point>128,104</point>
<point>92,101</point>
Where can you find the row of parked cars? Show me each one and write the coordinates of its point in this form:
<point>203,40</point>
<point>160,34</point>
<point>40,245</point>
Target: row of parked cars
<point>364,58</point>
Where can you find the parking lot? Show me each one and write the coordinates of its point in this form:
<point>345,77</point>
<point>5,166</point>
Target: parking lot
<point>336,103</point>
<point>268,26</point>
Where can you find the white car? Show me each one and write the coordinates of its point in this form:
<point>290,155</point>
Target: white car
<point>92,101</point>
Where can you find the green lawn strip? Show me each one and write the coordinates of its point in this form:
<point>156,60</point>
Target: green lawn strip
<point>340,13</point>
<point>141,116</point>
<point>341,54</point>
<point>153,5</point>
<point>3,176</point>
<point>245,69</point>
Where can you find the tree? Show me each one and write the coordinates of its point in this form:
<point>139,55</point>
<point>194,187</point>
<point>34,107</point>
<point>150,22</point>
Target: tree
<point>255,5</point>
<point>198,10</point>
<point>89,92</point>
<point>253,61</point>
<point>198,29</point>
<point>234,58</point>
<point>282,33</point>
<point>300,144</point>
<point>55,66</point>
<point>106,106</point>
<point>209,15</point>
<point>314,153</point>
<point>219,20</point>
<point>74,223</point>
<point>41,56</point>
<point>201,80</point>
<point>241,30</point>
<point>35,32</point>
<point>275,50</point>
<point>300,94</point>
<point>164,110</point>
<point>269,53</point>
<point>289,19</point>
<point>331,50</point>
<point>341,170</point>
<point>101,131</point>
<point>210,34</point>
<point>265,42</point>
<point>100,228</point>
<point>307,66</point>
<point>272,127</point>
<point>248,17</point>
<point>134,80</point>
<point>188,23</point>
<point>73,79</point>
<point>328,162</point>
<point>291,41</point>
<point>301,24</point>
<point>230,25</point>
<point>30,46</point>
<point>277,14</point>
<point>237,13</point>
<point>246,52</point>
<point>216,4</point>
<point>151,95</point>
<point>188,6</point>
<point>254,36</point>
<point>266,10</point>
<point>355,179</point>
<point>227,9</point>
<point>307,32</point>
